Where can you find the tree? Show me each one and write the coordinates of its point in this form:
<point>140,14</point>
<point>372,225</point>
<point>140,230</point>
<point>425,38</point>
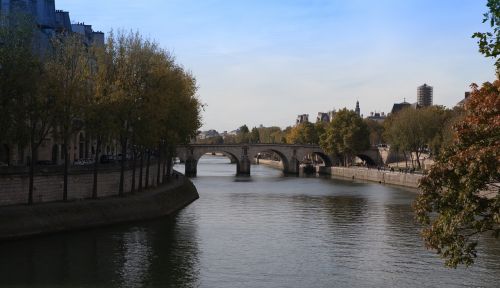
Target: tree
<point>131,58</point>
<point>254,135</point>
<point>97,106</point>
<point>489,42</point>
<point>413,131</point>
<point>345,136</point>
<point>26,110</point>
<point>463,186</point>
<point>270,134</point>
<point>376,132</point>
<point>243,134</point>
<point>68,71</point>
<point>304,133</point>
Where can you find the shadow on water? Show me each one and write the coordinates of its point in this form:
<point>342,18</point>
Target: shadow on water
<point>119,256</point>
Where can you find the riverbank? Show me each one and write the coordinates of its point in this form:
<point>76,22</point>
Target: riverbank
<point>374,175</point>
<point>25,221</point>
<point>271,163</point>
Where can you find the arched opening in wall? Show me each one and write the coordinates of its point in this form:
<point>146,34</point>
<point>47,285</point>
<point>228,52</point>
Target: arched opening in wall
<point>81,146</point>
<point>364,160</point>
<point>217,163</point>
<point>4,155</point>
<point>317,159</point>
<point>270,158</point>
<point>55,154</point>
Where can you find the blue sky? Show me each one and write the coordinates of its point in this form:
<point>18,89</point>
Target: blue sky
<point>266,61</point>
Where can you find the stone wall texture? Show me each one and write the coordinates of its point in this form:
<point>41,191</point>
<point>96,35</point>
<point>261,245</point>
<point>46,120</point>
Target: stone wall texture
<point>49,187</point>
<point>23,221</point>
<point>383,177</point>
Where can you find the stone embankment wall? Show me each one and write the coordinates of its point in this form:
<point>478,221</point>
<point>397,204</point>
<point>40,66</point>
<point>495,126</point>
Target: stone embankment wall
<point>25,221</point>
<point>48,187</point>
<point>383,177</point>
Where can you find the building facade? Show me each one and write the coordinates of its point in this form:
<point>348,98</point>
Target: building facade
<point>425,95</point>
<point>50,23</point>
<point>377,116</point>
<point>304,118</point>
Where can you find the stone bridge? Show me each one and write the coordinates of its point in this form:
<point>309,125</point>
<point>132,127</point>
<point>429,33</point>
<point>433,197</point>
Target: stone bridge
<point>244,154</point>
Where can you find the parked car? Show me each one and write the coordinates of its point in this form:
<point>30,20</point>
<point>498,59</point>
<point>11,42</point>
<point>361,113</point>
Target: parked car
<point>107,159</point>
<point>83,162</point>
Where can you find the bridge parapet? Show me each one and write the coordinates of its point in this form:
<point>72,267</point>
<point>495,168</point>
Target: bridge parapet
<point>243,154</point>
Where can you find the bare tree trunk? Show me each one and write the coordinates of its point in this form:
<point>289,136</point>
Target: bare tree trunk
<point>32,172</point>
<point>96,167</point>
<point>158,173</point>
<point>147,168</point>
<point>66,168</point>
<point>134,164</point>
<point>164,164</point>
<point>406,160</point>
<point>140,169</point>
<point>122,169</point>
<point>418,160</point>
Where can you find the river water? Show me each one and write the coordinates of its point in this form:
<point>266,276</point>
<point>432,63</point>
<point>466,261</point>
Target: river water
<point>266,230</point>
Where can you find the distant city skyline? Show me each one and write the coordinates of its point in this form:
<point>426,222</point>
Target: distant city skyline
<point>265,62</point>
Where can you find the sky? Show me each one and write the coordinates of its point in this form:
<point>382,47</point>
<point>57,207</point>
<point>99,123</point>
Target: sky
<point>267,61</point>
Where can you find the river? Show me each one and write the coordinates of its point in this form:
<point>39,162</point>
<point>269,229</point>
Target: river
<point>266,230</point>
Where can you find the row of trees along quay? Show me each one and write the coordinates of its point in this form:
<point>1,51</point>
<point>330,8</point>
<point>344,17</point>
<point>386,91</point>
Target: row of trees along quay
<point>128,91</point>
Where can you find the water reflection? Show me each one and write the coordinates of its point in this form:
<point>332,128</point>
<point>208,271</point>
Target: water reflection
<point>142,255</point>
<point>266,231</point>
<point>137,255</point>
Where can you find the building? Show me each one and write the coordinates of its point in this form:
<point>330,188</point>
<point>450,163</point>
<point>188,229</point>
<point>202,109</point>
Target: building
<point>208,134</point>
<point>357,110</point>
<point>331,114</point>
<point>322,117</point>
<point>51,22</point>
<point>461,104</point>
<point>304,118</point>
<point>376,116</point>
<point>400,106</point>
<point>90,37</point>
<point>424,95</point>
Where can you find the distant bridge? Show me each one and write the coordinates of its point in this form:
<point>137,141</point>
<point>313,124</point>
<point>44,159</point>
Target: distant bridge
<point>244,154</point>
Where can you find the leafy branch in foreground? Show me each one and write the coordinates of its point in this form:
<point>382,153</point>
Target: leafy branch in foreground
<point>460,197</point>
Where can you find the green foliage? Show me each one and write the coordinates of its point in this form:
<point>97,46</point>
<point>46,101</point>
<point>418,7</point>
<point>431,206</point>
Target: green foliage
<point>21,76</point>
<point>489,44</point>
<point>413,131</point>
<point>270,135</point>
<point>243,135</point>
<point>255,135</point>
<point>460,197</point>
<point>346,135</point>
<point>376,132</point>
<point>304,133</point>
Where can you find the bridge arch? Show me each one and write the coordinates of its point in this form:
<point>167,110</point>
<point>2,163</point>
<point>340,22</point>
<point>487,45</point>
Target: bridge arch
<point>290,155</point>
<point>282,156</point>
<point>191,161</point>
<point>368,160</point>
<point>325,158</point>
